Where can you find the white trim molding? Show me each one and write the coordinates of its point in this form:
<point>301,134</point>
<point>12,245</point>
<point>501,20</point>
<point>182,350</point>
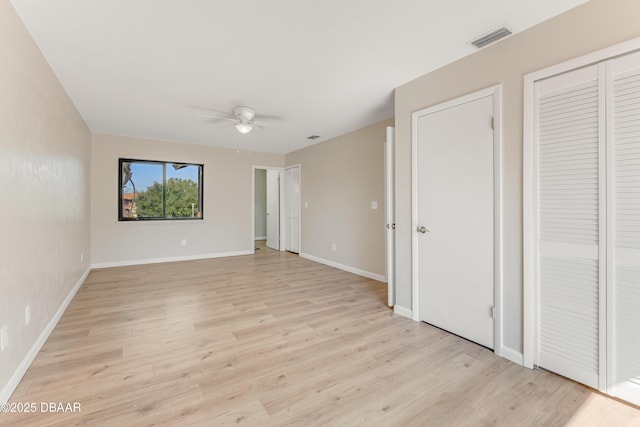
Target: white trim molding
<point>13,382</point>
<point>403,311</point>
<point>498,245</point>
<point>171,259</point>
<point>359,272</point>
<point>511,354</point>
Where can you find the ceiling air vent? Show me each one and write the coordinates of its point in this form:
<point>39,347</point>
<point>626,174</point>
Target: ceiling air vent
<point>491,37</point>
<point>312,137</point>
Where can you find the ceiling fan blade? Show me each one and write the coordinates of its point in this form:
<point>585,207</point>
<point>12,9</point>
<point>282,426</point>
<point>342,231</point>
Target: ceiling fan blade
<point>226,125</point>
<point>269,117</point>
<point>261,124</point>
<point>214,117</point>
<point>200,108</point>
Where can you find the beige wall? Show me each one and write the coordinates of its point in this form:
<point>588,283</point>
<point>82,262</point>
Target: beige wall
<point>339,179</point>
<point>228,216</point>
<point>592,26</point>
<point>44,171</point>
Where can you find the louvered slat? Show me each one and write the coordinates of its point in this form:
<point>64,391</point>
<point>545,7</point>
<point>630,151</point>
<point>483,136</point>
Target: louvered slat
<point>627,327</point>
<point>564,115</point>
<point>569,316</point>
<point>627,160</point>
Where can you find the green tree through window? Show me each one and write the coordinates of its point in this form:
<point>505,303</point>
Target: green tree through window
<point>159,190</point>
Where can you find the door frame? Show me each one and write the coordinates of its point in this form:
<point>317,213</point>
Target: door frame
<point>498,244</point>
<point>299,166</point>
<point>253,205</point>
<point>389,207</point>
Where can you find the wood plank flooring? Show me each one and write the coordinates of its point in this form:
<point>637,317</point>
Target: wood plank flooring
<point>277,340</point>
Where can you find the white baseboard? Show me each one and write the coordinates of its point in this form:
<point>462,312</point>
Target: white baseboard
<point>170,259</point>
<point>403,311</point>
<point>13,382</point>
<point>260,238</point>
<point>339,266</point>
<point>512,355</point>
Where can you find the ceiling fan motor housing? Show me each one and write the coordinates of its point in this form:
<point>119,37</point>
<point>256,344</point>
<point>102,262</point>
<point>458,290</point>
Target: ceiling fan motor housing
<point>244,114</point>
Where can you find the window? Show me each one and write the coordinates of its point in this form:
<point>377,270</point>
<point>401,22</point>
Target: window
<point>153,190</point>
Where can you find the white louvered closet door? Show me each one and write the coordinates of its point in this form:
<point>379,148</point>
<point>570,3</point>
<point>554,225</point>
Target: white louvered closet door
<point>570,140</point>
<point>623,279</point>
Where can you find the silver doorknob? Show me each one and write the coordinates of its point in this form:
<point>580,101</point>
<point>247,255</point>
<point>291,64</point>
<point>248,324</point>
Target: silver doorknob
<point>422,230</point>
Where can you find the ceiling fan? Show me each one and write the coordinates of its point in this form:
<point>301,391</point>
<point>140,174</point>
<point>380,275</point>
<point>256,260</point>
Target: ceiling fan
<point>243,118</point>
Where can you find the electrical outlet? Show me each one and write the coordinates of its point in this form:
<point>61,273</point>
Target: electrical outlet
<point>374,204</point>
<point>333,247</point>
<point>4,338</point>
<point>306,205</point>
<point>81,256</point>
<point>183,242</point>
<point>27,315</point>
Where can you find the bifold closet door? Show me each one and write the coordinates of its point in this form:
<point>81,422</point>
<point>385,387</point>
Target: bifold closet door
<point>569,257</point>
<point>586,225</point>
<point>623,86</point>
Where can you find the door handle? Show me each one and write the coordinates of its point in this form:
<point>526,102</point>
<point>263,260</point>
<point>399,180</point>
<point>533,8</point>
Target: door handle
<point>422,230</point>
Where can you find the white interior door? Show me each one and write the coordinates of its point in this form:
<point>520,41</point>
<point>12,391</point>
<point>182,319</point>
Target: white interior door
<point>623,251</point>
<point>292,208</point>
<point>273,209</point>
<point>389,205</point>
<point>455,218</point>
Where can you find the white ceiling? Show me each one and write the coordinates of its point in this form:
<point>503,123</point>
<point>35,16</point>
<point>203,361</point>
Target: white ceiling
<point>140,67</point>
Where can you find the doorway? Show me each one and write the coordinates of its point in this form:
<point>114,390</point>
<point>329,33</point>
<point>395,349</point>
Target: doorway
<point>260,205</point>
<point>456,220</point>
<point>267,207</point>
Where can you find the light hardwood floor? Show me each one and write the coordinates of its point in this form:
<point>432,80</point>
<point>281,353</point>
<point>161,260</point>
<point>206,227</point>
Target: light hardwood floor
<point>273,339</point>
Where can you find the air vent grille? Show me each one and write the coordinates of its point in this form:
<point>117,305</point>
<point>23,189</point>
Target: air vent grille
<point>491,37</point>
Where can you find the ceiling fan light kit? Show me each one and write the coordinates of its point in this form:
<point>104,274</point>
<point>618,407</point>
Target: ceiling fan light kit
<point>244,127</point>
<point>245,117</point>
